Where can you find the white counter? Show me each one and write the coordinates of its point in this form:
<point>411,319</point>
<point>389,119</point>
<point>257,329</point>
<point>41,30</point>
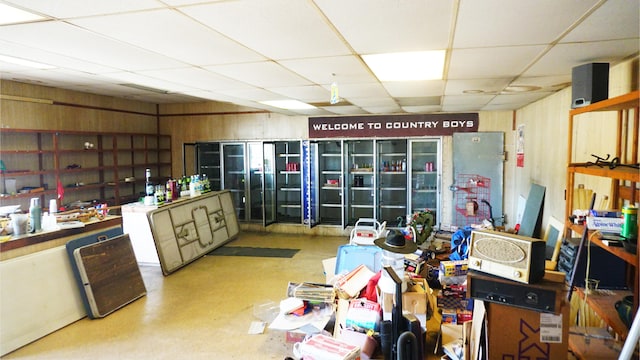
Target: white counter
<point>136,224</point>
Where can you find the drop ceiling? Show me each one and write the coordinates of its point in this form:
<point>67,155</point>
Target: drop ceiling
<point>500,54</point>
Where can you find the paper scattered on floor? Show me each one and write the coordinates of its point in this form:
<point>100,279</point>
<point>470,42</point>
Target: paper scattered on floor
<point>257,327</point>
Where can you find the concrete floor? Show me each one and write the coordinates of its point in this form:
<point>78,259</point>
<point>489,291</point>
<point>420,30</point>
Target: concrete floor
<point>202,311</point>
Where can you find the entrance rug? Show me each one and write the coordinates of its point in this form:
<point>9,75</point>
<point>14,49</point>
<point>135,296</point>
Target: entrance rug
<point>253,251</point>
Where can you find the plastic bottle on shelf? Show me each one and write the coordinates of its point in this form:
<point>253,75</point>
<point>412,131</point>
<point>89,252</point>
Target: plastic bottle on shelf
<point>35,215</point>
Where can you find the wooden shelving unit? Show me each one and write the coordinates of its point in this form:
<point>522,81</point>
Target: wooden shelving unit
<point>624,189</point>
<point>110,170</point>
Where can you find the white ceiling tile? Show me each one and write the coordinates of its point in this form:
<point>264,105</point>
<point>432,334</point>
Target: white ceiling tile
<point>312,93</point>
<point>563,57</point>
<point>212,95</point>
<point>139,79</point>
<point>517,100</point>
<point>366,102</point>
<point>458,108</point>
<point>615,19</point>
<point>254,94</point>
<point>197,78</point>
<point>473,100</point>
<point>73,8</point>
<point>64,77</point>
<point>457,87</point>
<point>373,89</point>
<point>546,82</point>
<point>243,51</point>
<point>343,110</point>
<point>270,28</point>
<point>58,60</point>
<point>414,88</point>
<point>490,23</point>
<point>342,69</point>
<point>185,40</point>
<point>263,74</point>
<point>188,2</point>
<point>497,62</point>
<point>68,40</point>
<point>422,109</point>
<point>382,109</point>
<point>380,26</point>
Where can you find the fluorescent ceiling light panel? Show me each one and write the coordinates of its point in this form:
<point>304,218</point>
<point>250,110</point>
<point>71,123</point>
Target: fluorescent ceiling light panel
<point>23,62</point>
<point>407,66</point>
<point>11,15</point>
<point>288,104</point>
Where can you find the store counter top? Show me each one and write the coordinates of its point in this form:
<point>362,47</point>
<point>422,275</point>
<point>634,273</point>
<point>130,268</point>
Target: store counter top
<point>26,244</point>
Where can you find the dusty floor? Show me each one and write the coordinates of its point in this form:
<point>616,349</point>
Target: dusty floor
<point>202,311</point>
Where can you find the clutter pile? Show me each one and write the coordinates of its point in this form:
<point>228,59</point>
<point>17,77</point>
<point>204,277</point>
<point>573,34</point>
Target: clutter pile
<point>386,295</point>
<point>396,298</point>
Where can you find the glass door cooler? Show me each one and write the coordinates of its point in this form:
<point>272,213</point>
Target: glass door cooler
<point>260,187</point>
<point>425,164</point>
<point>234,176</point>
<point>288,182</point>
<point>208,163</point>
<point>330,181</point>
<point>361,181</point>
<point>392,181</point>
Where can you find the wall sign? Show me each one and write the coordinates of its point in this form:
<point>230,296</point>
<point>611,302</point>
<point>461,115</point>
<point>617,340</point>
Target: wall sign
<point>392,126</point>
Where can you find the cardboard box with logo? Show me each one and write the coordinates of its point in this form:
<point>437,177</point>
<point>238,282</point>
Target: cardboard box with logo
<point>517,333</point>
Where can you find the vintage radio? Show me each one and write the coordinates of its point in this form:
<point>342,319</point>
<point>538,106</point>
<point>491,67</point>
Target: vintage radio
<point>543,296</point>
<point>518,258</point>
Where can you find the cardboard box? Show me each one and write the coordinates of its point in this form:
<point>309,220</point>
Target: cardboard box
<point>413,302</point>
<point>449,316</point>
<point>515,333</point>
<point>454,268</point>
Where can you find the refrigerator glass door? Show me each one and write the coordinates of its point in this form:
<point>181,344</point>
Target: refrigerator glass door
<point>425,185</point>
<point>234,177</point>
<point>392,181</point>
<point>330,183</point>
<point>289,181</point>
<point>255,170</point>
<point>361,181</point>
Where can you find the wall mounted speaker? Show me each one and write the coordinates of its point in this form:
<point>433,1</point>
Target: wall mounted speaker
<point>589,84</point>
<point>513,257</point>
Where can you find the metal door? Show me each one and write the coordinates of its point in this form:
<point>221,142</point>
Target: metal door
<point>478,156</point>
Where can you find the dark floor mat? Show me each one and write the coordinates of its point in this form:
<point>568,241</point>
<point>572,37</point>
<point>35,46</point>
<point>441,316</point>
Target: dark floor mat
<point>253,251</point>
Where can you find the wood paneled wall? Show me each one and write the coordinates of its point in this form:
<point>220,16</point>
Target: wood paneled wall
<point>27,106</point>
<point>545,124</point>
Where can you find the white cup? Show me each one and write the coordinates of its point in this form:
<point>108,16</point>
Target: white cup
<point>19,223</point>
<point>53,206</point>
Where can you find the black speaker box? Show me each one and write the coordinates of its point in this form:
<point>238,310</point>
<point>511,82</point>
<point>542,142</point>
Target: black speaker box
<point>589,84</point>
<point>610,270</point>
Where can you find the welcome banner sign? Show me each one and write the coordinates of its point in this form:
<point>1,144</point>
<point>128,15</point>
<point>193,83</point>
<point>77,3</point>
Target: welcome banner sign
<point>392,125</point>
